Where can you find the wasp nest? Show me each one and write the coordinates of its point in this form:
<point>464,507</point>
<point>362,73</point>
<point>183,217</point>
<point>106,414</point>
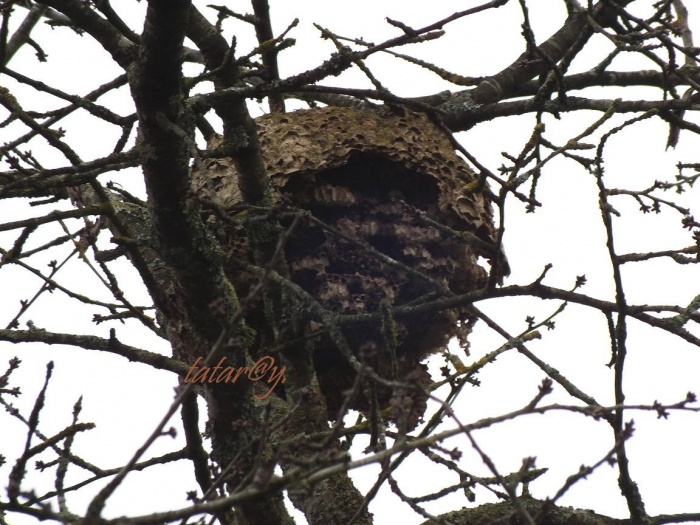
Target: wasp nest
<point>383,185</point>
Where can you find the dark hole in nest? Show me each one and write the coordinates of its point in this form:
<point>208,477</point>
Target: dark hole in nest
<point>355,287</point>
<point>377,185</point>
<point>374,176</point>
<point>372,180</point>
<point>307,278</point>
<point>388,245</point>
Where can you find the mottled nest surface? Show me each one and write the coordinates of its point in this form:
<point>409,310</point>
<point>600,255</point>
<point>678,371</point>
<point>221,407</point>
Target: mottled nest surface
<point>373,175</point>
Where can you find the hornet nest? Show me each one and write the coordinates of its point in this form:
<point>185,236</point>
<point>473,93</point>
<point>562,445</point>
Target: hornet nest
<point>385,184</point>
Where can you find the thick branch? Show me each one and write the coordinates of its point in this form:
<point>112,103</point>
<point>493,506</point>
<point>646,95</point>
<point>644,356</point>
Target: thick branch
<point>156,85</point>
<point>22,35</point>
<point>122,50</point>
<point>263,30</point>
<point>463,120</point>
<point>91,342</point>
<point>569,39</point>
<point>240,132</point>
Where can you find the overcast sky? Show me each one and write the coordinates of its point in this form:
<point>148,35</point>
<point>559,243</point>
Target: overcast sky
<point>126,400</point>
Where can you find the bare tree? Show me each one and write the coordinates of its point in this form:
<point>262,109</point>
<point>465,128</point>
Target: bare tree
<point>304,266</point>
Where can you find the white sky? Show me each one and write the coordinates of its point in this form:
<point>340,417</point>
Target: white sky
<point>126,400</point>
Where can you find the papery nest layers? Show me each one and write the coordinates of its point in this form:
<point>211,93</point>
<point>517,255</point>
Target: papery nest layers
<point>382,184</point>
